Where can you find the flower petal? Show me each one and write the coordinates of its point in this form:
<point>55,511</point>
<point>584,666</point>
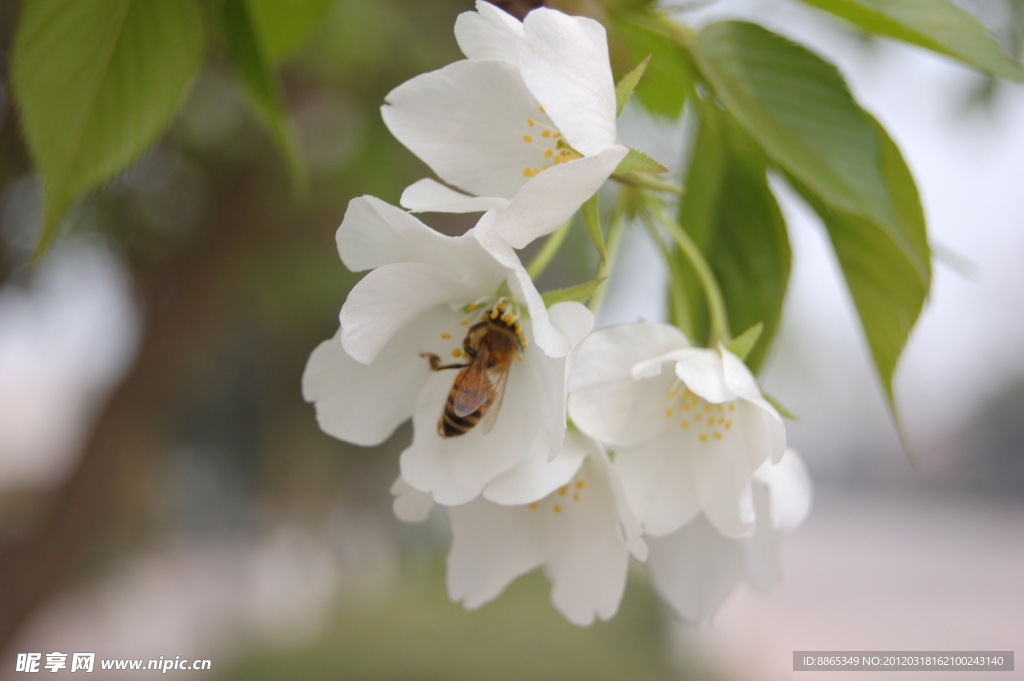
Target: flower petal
<point>467,121</point>
<point>552,197</point>
<point>375,233</point>
<point>564,61</point>
<point>488,33</point>
<point>546,335</point>
<point>608,354</point>
<point>789,486</point>
<point>742,382</point>
<point>388,298</point>
<point>411,505</point>
<point>723,470</point>
<point>361,403</point>
<point>456,469</point>
<point>763,551</point>
<point>491,546</point>
<point>535,477</point>
<point>587,555</point>
<point>430,196</point>
<point>659,482</point>
<point>701,370</point>
<point>695,569</point>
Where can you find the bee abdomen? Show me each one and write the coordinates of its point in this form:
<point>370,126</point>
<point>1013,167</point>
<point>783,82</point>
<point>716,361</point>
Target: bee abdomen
<point>451,425</point>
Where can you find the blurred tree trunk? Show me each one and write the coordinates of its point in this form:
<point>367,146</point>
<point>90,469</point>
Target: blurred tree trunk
<point>184,309</point>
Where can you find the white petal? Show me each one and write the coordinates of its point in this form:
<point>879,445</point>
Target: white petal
<point>632,531</point>
<point>659,483</point>
<point>702,372</point>
<point>430,196</point>
<point>550,198</point>
<point>742,382</point>
<point>375,233</point>
<point>456,469</point>
<point>608,354</point>
<point>535,477</point>
<point>695,569</point>
<point>564,61</point>
<point>361,403</point>
<point>411,505</point>
<point>491,546</point>
<point>488,33</point>
<point>388,298</point>
<point>723,470</point>
<point>467,121</point>
<point>789,485</point>
<point>588,557</point>
<point>763,551</point>
<point>574,321</point>
<point>546,335</point>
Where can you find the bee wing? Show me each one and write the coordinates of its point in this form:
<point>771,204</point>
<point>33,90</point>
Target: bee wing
<point>498,379</point>
<point>474,389</point>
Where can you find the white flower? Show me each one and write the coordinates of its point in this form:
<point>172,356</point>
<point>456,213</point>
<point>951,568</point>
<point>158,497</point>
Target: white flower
<point>425,292</point>
<point>687,440</point>
<point>696,568</point>
<point>528,118</point>
<point>581,530</point>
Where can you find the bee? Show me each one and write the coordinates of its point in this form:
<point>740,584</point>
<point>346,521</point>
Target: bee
<point>476,393</point>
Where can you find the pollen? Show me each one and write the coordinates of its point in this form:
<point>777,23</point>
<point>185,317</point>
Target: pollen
<point>728,425</point>
<point>527,138</point>
<point>718,436</point>
<point>546,133</point>
<point>697,417</point>
<point>576,496</point>
<point>541,109</point>
<point>519,329</point>
<point>685,425</point>
<point>530,122</point>
<point>508,318</point>
<point>520,358</point>
<point>456,353</point>
<point>563,490</point>
<point>549,153</point>
<point>465,322</point>
<point>687,407</point>
<point>732,407</point>
<point>580,484</point>
<point>527,172</point>
<point>668,412</point>
<point>703,437</point>
<point>500,305</point>
<point>472,306</point>
<point>446,336</point>
<point>533,506</point>
<point>525,345</point>
<point>672,393</point>
<point>557,135</point>
<point>557,508</point>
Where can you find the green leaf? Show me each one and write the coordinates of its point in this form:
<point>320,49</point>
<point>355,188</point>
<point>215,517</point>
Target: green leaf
<point>937,25</point>
<point>883,278</point>
<point>731,214</point>
<point>592,219</point>
<point>742,344</point>
<point>252,58</point>
<point>670,75</point>
<point>578,293</point>
<point>624,90</point>
<point>637,161</point>
<point>800,111</point>
<point>96,82</point>
<point>286,25</point>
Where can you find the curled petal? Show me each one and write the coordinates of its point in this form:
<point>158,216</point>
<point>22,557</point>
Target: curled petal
<point>564,61</point>
<point>789,486</point>
<point>701,371</point>
<point>488,33</point>
<point>552,197</point>
<point>430,196</point>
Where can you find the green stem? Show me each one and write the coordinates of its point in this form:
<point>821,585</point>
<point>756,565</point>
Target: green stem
<point>612,242</point>
<point>647,182</point>
<point>677,295</point>
<point>715,299</point>
<point>548,250</point>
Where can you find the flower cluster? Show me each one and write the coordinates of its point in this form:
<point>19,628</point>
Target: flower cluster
<point>452,333</point>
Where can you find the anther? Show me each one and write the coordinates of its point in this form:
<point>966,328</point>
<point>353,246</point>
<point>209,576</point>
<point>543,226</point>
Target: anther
<point>530,122</point>
<point>533,506</point>
<point>472,306</point>
<point>546,133</point>
<point>580,484</point>
<point>456,353</point>
<point>685,425</point>
<point>703,437</point>
<point>527,138</point>
<point>541,109</point>
<point>563,490</point>
<point>576,496</point>
<point>465,322</point>
<point>549,153</point>
<point>668,412</point>
<point>446,335</point>
<point>718,436</point>
<point>557,508</point>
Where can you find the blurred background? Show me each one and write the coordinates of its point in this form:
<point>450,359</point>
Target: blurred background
<point>164,490</point>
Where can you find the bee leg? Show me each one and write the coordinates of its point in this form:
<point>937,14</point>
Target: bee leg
<point>435,362</point>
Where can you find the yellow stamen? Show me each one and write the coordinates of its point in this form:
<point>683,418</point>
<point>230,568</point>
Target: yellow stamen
<point>718,436</point>
<point>530,122</point>
<point>527,138</point>
<point>546,133</point>
<point>580,484</point>
<point>703,437</point>
<point>548,153</point>
<point>456,353</point>
<point>557,508</point>
<point>563,490</point>
<point>527,172</point>
<point>472,306</point>
<point>541,109</point>
<point>668,412</point>
<point>685,425</point>
<point>446,335</point>
<point>533,506</point>
<point>465,322</point>
<point>576,496</point>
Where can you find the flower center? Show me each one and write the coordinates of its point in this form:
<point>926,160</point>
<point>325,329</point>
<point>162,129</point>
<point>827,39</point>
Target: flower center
<point>562,499</point>
<point>708,421</point>
<point>549,144</point>
<point>489,307</point>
